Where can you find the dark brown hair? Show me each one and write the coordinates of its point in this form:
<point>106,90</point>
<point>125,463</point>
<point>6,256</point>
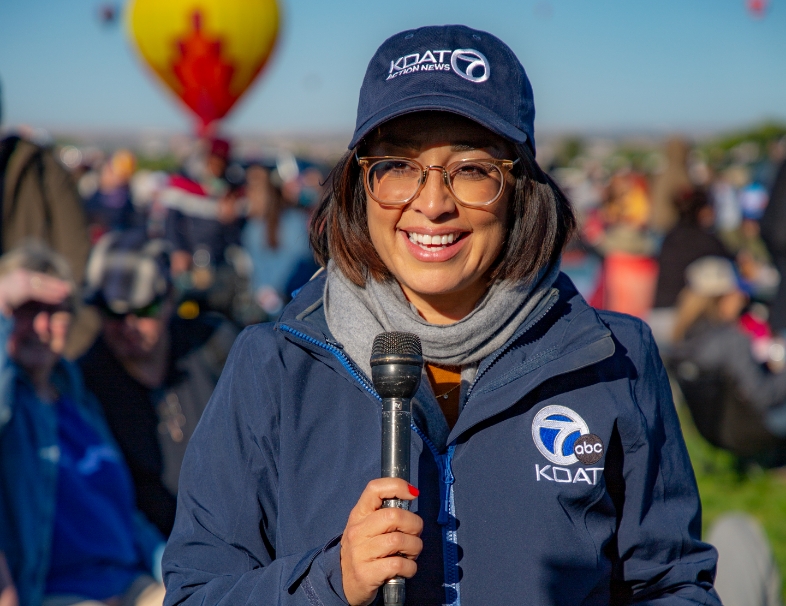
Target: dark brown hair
<point>540,221</point>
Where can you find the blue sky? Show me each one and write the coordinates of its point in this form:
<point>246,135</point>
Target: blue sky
<point>595,65</point>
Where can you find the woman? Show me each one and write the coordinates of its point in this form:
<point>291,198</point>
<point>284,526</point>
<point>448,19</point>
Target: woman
<point>733,383</point>
<point>276,238</point>
<point>548,465</point>
<point>70,532</point>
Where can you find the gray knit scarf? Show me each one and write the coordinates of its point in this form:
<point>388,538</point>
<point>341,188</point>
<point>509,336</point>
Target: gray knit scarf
<point>356,315</point>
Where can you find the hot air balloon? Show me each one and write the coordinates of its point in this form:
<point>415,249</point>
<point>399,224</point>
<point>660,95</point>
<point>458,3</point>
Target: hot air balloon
<point>208,52</point>
<point>757,8</point>
<point>107,14</point>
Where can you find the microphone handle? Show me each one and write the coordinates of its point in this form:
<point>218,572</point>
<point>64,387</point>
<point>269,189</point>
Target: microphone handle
<point>396,421</point>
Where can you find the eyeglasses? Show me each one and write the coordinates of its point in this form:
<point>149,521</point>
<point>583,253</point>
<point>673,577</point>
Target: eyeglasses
<point>395,181</point>
<point>148,311</point>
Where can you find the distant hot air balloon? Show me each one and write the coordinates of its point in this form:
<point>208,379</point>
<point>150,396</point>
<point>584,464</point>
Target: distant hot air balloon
<point>107,13</point>
<point>757,7</point>
<point>208,52</point>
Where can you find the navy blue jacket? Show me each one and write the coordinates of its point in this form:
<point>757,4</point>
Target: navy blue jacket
<point>512,515</point>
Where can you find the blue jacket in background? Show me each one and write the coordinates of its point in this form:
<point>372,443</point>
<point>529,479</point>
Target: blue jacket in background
<point>29,455</point>
<point>511,516</point>
<point>273,267</point>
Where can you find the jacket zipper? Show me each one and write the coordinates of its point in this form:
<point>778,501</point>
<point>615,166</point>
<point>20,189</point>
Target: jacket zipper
<point>342,357</point>
<point>446,479</point>
<point>443,460</point>
<point>446,517</point>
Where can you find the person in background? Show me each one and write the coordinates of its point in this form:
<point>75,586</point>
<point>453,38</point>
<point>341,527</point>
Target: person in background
<point>152,370</point>
<point>110,207</point>
<point>275,237</point>
<point>626,212</point>
<point>70,531</point>
<point>737,399</point>
<point>203,210</point>
<point>629,271</point>
<point>773,232</point>
<point>39,199</point>
<point>748,574</point>
<point>688,240</point>
<point>754,263</point>
<point>725,200</point>
<point>667,186</point>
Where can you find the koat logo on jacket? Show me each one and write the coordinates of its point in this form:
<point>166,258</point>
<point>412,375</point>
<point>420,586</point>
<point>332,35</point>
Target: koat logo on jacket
<point>468,63</point>
<point>563,437</point>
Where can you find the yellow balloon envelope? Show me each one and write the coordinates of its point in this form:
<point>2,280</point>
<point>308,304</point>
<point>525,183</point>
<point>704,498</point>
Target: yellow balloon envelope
<point>208,52</point>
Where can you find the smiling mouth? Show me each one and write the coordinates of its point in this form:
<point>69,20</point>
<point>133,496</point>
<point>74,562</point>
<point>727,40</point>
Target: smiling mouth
<point>435,242</point>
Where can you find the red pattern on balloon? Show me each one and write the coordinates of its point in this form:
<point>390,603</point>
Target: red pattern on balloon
<point>204,74</point>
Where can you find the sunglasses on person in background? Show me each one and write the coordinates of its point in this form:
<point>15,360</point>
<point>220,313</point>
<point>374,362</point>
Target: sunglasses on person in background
<point>151,310</point>
<point>391,180</point>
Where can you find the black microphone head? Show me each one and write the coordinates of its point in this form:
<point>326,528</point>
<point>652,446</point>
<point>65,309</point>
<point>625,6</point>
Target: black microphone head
<point>395,343</point>
<point>396,364</point>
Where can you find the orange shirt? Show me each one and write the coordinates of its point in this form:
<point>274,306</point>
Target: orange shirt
<point>445,382</point>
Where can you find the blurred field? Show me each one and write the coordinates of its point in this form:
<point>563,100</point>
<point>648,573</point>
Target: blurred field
<point>724,487</point>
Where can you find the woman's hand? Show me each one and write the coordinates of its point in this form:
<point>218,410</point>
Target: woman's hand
<point>22,285</point>
<point>379,544</point>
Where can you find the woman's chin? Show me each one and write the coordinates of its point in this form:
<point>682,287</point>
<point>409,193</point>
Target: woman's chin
<point>434,288</point>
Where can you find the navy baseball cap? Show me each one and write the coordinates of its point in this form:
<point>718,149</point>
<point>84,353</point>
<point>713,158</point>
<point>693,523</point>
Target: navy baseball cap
<point>450,68</point>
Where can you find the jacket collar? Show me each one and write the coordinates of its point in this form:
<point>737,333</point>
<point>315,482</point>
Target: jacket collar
<point>567,335</point>
<point>563,334</point>
<point>306,313</point>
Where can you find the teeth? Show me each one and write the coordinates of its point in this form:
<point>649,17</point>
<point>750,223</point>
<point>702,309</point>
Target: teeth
<point>425,240</point>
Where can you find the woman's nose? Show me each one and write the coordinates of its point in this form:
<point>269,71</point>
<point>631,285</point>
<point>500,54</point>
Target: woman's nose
<point>435,199</point>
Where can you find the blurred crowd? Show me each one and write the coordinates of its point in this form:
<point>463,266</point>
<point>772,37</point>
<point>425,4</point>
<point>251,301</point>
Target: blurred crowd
<point>121,293</point>
<point>122,289</point>
<point>691,239</point>
<point>237,226</point>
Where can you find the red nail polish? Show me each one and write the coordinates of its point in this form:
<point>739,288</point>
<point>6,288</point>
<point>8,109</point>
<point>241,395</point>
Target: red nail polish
<point>413,491</point>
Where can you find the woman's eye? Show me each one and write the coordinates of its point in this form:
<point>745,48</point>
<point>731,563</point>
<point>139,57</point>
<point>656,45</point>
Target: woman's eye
<point>395,168</point>
<point>472,171</point>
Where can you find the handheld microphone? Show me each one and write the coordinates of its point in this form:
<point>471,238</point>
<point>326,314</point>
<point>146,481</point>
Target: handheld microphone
<point>396,366</point>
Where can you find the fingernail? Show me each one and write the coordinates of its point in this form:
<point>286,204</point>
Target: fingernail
<point>413,491</point>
